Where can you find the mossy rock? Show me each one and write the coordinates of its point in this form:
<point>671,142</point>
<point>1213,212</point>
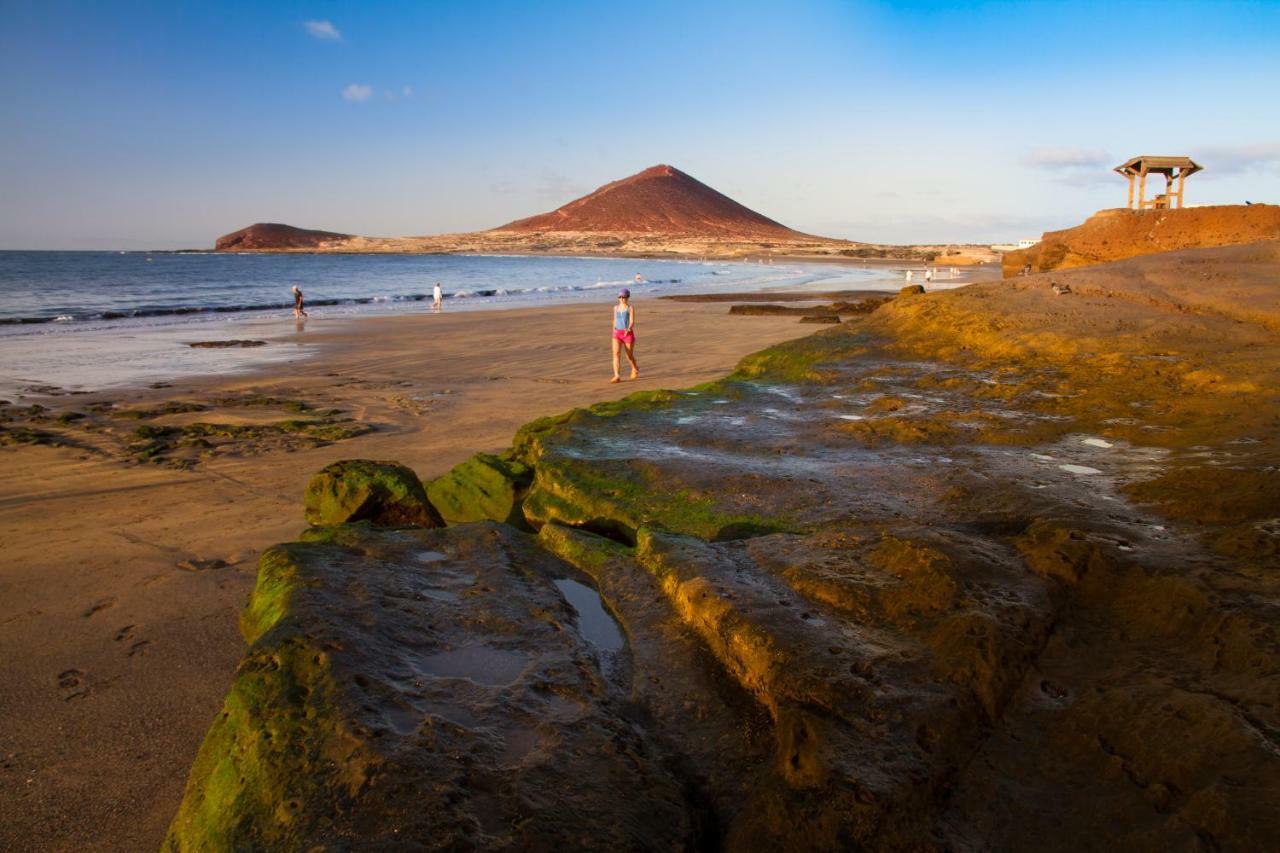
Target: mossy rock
<point>483,487</point>
<point>323,743</point>
<point>385,493</point>
<point>912,290</point>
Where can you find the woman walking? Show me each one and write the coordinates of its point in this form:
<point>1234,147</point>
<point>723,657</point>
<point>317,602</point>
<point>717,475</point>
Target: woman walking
<point>624,334</point>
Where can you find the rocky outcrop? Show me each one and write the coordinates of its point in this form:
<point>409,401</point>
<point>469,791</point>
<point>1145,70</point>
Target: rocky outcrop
<point>272,236</point>
<point>1113,235</point>
<point>383,493</point>
<point>984,569</point>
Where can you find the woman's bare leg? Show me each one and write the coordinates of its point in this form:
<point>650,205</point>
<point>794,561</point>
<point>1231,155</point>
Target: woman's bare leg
<point>635,368</point>
<point>617,346</point>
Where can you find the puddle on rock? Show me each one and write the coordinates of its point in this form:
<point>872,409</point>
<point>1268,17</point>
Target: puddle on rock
<point>1079,469</point>
<point>431,556</point>
<point>595,623</point>
<point>481,664</point>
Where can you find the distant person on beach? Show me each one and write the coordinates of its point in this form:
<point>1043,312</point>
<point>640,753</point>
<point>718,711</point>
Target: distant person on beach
<point>437,297</point>
<point>298,310</point>
<point>638,278</point>
<point>624,334</point>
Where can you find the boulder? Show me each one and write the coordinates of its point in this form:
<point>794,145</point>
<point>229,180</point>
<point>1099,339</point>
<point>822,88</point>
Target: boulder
<point>911,290</point>
<point>483,487</point>
<point>384,493</point>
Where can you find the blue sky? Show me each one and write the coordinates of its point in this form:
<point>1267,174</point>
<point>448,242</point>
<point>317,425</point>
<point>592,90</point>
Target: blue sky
<point>161,125</point>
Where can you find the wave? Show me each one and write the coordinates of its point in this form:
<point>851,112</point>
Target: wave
<point>184,310</point>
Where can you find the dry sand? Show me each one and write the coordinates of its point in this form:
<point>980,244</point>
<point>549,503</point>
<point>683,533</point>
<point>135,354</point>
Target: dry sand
<point>113,659</point>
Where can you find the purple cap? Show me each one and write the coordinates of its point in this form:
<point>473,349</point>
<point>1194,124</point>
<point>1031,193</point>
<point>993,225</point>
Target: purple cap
<point>624,292</point>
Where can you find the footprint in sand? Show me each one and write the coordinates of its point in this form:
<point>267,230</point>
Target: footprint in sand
<point>125,633</point>
<point>194,565</point>
<point>138,647</point>
<point>100,604</point>
<point>73,683</point>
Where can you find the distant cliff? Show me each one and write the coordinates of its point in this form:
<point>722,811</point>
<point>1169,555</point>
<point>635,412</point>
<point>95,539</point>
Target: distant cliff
<point>269,236</point>
<point>1113,235</point>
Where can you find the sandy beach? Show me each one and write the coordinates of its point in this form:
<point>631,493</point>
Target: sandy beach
<point>115,657</point>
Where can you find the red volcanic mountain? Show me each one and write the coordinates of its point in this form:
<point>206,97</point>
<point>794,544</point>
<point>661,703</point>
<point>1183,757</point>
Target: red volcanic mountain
<point>659,200</point>
<point>273,236</point>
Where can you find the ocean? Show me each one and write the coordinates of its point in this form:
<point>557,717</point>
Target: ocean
<point>89,320</point>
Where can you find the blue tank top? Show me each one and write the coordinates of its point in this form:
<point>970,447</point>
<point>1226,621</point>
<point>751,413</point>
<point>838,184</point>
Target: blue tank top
<point>622,317</point>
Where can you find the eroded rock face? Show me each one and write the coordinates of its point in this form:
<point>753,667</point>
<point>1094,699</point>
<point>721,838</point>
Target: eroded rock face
<point>384,493</point>
<point>1116,234</point>
<point>425,690</point>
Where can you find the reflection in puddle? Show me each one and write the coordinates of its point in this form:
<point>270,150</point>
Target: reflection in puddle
<point>480,664</point>
<point>431,556</point>
<point>1079,469</point>
<point>595,623</point>
<point>1096,442</point>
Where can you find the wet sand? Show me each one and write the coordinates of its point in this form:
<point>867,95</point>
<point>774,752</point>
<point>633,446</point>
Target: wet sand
<point>115,658</point>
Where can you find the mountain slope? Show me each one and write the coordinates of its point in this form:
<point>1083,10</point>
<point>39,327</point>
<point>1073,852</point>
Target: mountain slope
<point>659,200</point>
<point>272,236</point>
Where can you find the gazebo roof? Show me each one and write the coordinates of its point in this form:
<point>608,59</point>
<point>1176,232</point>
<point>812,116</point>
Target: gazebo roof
<point>1162,165</point>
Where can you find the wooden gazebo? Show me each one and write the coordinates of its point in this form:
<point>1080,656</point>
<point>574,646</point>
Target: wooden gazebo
<point>1170,167</point>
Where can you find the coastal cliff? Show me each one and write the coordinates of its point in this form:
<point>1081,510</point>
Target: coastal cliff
<point>982,569</point>
<point>1113,235</point>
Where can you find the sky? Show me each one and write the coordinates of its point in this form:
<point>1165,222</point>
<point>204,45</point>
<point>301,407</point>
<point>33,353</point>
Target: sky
<point>165,124</point>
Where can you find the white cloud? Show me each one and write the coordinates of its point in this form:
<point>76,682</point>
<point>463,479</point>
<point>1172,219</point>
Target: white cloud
<point>1068,158</point>
<point>1233,159</point>
<point>1073,167</point>
<point>407,91</point>
<point>357,92</point>
<point>322,30</point>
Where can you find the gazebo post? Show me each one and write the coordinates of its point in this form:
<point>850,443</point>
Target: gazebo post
<point>1142,190</point>
<point>1130,177</point>
<point>1182,175</point>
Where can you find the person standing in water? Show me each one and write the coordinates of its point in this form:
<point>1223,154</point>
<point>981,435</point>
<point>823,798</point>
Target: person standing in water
<point>624,334</point>
<point>298,310</point>
<point>437,298</point>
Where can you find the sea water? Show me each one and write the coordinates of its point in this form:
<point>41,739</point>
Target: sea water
<point>89,320</point>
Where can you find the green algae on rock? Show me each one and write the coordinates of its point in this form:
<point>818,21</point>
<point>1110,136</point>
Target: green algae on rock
<point>429,690</point>
<point>483,487</point>
<point>384,493</point>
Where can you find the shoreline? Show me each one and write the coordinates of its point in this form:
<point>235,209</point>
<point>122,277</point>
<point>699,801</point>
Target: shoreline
<point>108,633</point>
<point>93,355</point>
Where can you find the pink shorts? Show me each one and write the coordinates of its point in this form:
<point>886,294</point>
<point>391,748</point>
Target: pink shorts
<point>628,338</point>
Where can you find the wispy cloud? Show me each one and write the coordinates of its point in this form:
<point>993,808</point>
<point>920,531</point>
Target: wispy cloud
<point>1233,159</point>
<point>1075,167</point>
<point>322,30</point>
<point>1068,158</point>
<point>357,92</point>
<point>407,91</point>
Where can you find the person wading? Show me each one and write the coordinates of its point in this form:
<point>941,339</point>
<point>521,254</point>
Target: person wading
<point>624,334</point>
<point>298,310</point>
